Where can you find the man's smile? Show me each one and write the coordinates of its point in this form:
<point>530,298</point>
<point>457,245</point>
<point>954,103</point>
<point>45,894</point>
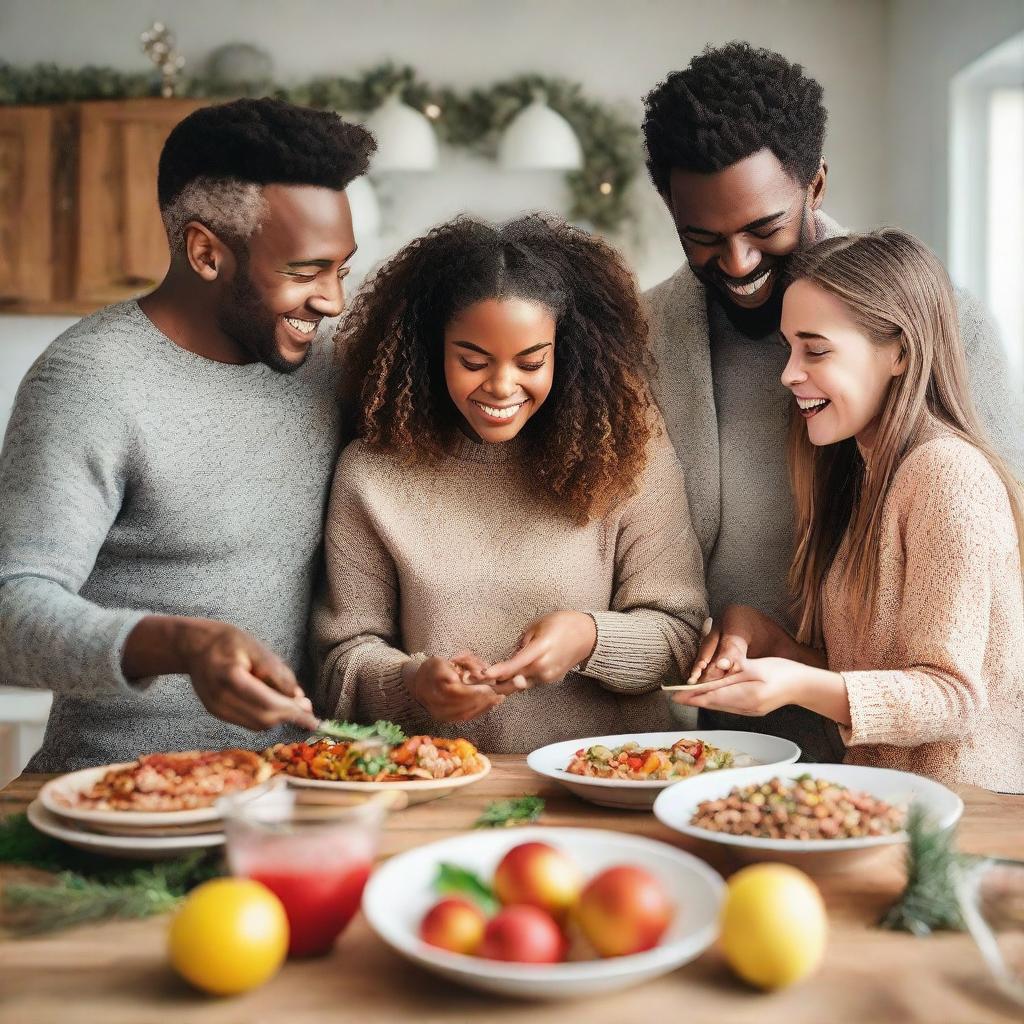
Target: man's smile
<point>304,329</point>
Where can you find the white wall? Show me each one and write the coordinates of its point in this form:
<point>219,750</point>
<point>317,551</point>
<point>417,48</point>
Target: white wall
<point>929,41</point>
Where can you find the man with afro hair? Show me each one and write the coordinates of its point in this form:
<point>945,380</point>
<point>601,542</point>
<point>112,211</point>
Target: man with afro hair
<point>734,147</point>
<point>167,462</point>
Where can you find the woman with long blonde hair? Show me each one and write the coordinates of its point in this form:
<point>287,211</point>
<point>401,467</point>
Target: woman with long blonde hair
<point>907,569</point>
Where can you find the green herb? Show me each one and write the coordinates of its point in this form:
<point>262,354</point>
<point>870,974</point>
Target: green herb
<point>386,731</point>
<point>521,810</point>
<point>455,881</point>
<point>929,900</point>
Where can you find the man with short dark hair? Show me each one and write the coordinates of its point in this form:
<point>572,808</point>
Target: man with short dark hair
<point>734,145</point>
<point>167,461</point>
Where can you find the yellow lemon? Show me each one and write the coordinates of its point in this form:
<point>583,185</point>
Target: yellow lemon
<point>230,935</point>
<point>773,925</point>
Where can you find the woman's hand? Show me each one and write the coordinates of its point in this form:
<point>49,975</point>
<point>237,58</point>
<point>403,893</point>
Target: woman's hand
<point>548,649</point>
<point>755,686</point>
<point>445,688</point>
<point>759,685</point>
<point>739,632</point>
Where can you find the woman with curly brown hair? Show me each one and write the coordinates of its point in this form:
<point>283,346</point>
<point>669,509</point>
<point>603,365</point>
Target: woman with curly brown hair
<point>508,543</point>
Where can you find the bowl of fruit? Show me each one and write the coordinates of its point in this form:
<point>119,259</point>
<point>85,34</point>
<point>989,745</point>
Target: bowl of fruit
<point>546,912</point>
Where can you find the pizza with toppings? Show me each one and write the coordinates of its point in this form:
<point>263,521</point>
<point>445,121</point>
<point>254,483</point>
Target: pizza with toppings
<point>179,781</point>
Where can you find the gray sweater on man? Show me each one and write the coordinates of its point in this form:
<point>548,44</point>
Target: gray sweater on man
<point>727,413</point>
<point>139,478</point>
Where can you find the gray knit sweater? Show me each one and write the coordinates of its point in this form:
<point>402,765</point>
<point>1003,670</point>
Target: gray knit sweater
<point>727,414</point>
<point>137,477</point>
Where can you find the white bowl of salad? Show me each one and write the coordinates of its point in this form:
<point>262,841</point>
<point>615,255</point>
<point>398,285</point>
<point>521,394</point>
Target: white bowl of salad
<point>628,771</point>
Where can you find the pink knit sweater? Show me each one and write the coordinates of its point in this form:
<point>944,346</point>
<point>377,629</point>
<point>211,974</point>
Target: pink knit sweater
<point>935,681</point>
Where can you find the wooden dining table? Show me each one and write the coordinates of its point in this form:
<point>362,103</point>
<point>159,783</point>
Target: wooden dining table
<point>117,972</point>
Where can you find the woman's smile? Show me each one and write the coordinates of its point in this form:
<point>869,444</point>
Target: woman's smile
<point>810,407</point>
<point>499,413</point>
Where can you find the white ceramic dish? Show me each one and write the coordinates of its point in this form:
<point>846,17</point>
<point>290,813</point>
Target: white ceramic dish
<point>676,806</point>
<point>418,791</point>
<point>551,762</point>
<point>130,847</point>
<point>401,891</point>
<point>57,796</point>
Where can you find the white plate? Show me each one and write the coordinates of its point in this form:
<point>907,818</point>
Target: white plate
<point>57,796</point>
<point>130,847</point>
<point>676,806</point>
<point>401,891</point>
<point>626,794</point>
<point>419,791</point>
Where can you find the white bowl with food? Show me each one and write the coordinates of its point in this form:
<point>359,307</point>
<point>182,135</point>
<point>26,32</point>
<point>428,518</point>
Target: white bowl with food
<point>681,756</point>
<point>824,815</point>
<point>401,892</point>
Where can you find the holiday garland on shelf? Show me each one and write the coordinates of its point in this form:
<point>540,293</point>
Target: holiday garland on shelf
<point>475,120</point>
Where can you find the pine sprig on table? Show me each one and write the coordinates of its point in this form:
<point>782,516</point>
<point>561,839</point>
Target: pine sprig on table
<point>86,887</point>
<point>929,901</point>
<point>76,899</point>
<point>521,810</point>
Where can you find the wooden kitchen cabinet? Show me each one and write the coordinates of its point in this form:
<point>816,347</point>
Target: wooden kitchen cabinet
<point>120,240</point>
<point>34,195</point>
<point>79,222</point>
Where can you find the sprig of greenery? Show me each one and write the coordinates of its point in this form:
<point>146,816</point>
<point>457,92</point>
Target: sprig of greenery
<point>521,810</point>
<point>929,901</point>
<point>32,908</point>
<point>87,887</point>
<point>453,880</point>
<point>381,729</point>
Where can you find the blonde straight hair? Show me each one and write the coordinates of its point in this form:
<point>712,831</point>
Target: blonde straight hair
<point>898,293</point>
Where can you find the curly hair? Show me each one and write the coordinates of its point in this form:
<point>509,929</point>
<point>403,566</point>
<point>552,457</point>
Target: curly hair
<point>215,162</point>
<point>728,104</point>
<point>586,446</point>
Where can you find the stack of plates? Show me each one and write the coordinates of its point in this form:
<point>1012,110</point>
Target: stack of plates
<point>133,834</point>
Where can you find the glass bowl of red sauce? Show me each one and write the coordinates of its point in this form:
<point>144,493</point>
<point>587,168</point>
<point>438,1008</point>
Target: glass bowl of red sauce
<point>314,852</point>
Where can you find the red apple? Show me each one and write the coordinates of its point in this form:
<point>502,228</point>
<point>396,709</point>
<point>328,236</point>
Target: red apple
<point>624,910</point>
<point>454,924</point>
<point>538,875</point>
<point>523,934</point>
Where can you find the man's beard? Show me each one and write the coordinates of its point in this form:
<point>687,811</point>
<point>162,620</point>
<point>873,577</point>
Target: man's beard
<point>245,319</point>
<point>764,319</point>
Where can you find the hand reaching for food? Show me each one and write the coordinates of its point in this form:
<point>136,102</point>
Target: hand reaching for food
<point>549,648</point>
<point>742,632</point>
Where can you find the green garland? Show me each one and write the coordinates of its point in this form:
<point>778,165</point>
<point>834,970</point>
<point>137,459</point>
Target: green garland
<point>608,137</point>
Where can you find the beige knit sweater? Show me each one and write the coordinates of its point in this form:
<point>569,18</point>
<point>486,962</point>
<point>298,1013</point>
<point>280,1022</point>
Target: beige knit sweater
<point>935,682</point>
<point>440,558</point>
